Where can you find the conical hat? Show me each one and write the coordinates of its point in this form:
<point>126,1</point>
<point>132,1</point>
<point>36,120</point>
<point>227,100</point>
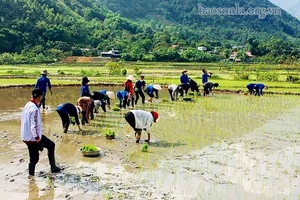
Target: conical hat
<point>130,77</point>
<point>110,94</point>
<point>157,87</point>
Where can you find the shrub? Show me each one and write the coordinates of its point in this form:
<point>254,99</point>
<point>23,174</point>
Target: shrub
<point>124,72</point>
<point>61,72</point>
<point>114,68</point>
<point>267,76</point>
<point>137,70</point>
<point>241,74</point>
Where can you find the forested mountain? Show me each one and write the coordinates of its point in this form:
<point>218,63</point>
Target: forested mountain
<point>41,30</point>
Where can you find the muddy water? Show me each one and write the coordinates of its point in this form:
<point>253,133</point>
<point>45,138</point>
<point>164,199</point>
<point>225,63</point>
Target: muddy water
<point>169,170</point>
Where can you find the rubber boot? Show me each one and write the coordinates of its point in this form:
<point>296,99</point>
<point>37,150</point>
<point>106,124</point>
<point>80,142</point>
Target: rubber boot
<point>54,168</point>
<point>31,168</point>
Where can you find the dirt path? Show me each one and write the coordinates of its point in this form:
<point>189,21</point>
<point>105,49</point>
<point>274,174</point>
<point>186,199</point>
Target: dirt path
<point>264,164</point>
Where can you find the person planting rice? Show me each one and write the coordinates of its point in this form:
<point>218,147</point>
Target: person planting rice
<point>68,114</point>
<point>102,99</point>
<point>259,89</point>
<point>141,120</point>
<point>86,105</point>
<point>184,81</point>
<point>42,83</point>
<point>152,91</point>
<point>174,90</point>
<point>194,85</point>
<point>205,77</point>
<point>250,88</point>
<point>210,86</point>
<point>139,88</point>
<point>32,133</point>
<point>124,98</point>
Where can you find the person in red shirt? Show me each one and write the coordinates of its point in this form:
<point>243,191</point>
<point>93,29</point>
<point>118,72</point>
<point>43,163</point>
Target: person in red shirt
<point>129,88</point>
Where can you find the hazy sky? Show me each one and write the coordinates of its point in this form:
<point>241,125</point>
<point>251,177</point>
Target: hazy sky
<point>291,6</point>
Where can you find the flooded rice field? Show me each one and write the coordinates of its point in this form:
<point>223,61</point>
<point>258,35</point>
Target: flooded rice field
<point>227,146</point>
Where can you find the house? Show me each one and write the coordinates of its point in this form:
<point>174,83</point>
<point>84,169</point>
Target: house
<point>202,48</point>
<point>233,56</point>
<point>111,54</point>
<point>249,55</point>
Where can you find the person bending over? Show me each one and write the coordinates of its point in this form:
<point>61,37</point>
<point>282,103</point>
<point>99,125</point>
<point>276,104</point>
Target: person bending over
<point>141,120</point>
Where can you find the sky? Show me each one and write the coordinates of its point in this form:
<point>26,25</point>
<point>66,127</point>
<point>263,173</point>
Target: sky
<point>291,6</point>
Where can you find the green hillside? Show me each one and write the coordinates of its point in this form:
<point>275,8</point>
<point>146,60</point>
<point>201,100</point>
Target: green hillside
<point>46,30</point>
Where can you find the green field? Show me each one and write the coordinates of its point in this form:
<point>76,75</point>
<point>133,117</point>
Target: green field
<point>163,73</point>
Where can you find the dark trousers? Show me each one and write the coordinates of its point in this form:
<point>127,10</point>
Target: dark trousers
<point>185,87</point>
<point>138,94</point>
<point>171,94</point>
<point>65,119</point>
<point>206,90</point>
<point>42,102</point>
<point>129,117</point>
<point>251,91</point>
<point>194,88</point>
<point>34,153</point>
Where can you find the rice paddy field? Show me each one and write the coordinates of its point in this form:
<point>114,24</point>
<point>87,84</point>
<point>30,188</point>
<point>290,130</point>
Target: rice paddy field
<point>225,146</point>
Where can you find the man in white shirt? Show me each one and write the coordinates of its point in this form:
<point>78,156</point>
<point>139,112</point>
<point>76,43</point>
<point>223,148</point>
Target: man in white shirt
<point>141,120</point>
<point>32,136</point>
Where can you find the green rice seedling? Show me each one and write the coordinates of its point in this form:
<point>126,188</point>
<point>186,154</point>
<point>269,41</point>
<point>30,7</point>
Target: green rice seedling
<point>144,148</point>
<point>116,109</point>
<point>88,148</point>
<point>109,133</point>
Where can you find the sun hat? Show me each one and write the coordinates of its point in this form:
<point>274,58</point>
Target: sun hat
<point>155,115</point>
<point>37,92</point>
<point>183,71</point>
<point>130,77</point>
<point>44,72</point>
<point>157,87</point>
<point>110,94</point>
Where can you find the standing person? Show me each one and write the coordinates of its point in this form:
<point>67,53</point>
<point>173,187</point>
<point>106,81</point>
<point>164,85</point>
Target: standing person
<point>174,90</point>
<point>86,105</point>
<point>124,98</point>
<point>152,91</point>
<point>68,114</point>
<point>129,88</point>
<point>42,83</point>
<point>32,135</point>
<point>259,89</point>
<point>184,80</point>
<point>205,77</point>
<point>250,88</point>
<point>141,120</point>
<point>139,89</point>
<point>84,90</point>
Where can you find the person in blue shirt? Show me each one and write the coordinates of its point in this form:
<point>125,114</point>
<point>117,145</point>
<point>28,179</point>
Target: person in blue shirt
<point>124,98</point>
<point>42,83</point>
<point>184,81</point>
<point>250,88</point>
<point>84,90</point>
<point>139,89</point>
<point>205,77</point>
<point>259,88</point>
<point>68,114</point>
<point>152,91</point>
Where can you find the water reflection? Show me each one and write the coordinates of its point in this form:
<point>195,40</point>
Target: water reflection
<point>33,192</point>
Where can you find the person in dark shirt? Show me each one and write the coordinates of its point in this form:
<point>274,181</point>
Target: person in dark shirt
<point>194,85</point>
<point>250,88</point>
<point>184,81</point>
<point>102,98</point>
<point>42,83</point>
<point>205,77</point>
<point>259,89</point>
<point>68,114</point>
<point>84,90</point>
<point>139,89</point>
